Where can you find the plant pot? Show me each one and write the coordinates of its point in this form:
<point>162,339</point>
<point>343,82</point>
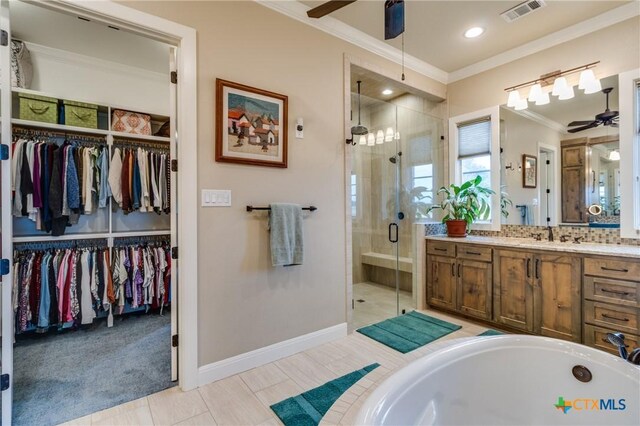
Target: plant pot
<point>456,228</point>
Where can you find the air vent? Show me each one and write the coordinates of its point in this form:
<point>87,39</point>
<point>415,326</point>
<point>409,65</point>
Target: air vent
<point>522,9</point>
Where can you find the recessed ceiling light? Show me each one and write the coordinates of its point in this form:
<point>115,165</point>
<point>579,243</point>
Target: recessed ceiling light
<point>387,91</point>
<point>473,32</point>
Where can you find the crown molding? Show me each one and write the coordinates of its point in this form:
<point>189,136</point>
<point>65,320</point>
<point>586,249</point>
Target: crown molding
<point>580,29</point>
<point>540,119</point>
<point>333,26</point>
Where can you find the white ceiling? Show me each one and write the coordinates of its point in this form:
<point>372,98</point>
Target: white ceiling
<point>434,29</point>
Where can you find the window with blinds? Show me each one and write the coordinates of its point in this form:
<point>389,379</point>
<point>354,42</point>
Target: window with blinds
<point>474,150</point>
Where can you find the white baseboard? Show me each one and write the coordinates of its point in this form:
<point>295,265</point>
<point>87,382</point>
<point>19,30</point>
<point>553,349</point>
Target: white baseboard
<point>246,361</point>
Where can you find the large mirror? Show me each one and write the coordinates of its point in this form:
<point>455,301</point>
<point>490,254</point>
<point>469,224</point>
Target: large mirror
<point>551,173</point>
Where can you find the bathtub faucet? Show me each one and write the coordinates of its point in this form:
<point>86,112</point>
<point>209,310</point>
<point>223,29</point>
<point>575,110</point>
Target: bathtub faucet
<point>617,340</point>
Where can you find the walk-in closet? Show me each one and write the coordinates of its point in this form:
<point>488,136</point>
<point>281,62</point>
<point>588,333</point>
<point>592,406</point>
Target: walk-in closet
<point>92,214</point>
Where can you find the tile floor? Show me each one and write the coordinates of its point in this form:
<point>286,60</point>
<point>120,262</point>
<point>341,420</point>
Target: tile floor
<point>379,303</point>
<point>244,399</point>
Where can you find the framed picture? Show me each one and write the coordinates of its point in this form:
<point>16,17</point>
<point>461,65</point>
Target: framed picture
<point>251,125</point>
<point>529,171</point>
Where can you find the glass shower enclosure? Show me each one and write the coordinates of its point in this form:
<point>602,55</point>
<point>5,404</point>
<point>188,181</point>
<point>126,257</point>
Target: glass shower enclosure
<point>394,171</point>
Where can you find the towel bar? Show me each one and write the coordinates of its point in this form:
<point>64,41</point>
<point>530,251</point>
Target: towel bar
<point>251,208</point>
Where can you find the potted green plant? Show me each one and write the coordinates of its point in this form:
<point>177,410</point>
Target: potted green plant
<point>463,205</point>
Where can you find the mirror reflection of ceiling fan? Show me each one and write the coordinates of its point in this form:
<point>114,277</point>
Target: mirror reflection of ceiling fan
<point>606,118</point>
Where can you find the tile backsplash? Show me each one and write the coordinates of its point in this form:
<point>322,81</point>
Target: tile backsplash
<point>586,234</point>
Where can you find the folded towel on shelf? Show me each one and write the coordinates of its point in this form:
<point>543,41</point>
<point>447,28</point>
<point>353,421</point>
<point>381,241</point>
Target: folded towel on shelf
<point>285,223</point>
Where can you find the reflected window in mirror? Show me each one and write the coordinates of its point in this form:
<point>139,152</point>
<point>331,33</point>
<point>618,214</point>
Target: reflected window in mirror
<point>422,188</point>
<point>354,195</point>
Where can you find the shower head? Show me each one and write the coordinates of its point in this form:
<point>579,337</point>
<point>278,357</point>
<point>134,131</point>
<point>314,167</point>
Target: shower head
<point>393,159</point>
<point>617,340</point>
<point>359,130</point>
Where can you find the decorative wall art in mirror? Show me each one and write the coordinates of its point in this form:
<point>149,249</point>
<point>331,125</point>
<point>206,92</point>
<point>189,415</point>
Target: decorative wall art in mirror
<point>529,171</point>
<point>251,125</point>
<point>577,150</point>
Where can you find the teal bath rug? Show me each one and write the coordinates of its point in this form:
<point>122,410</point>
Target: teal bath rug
<point>309,407</point>
<point>491,332</point>
<point>408,332</point>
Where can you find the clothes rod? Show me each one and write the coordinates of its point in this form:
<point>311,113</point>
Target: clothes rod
<point>251,208</point>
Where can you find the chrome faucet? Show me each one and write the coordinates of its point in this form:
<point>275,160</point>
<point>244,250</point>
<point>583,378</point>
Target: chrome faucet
<point>617,340</point>
<point>537,236</point>
<point>550,229</point>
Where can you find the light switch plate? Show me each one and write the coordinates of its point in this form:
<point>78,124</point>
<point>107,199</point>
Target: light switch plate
<point>216,198</point>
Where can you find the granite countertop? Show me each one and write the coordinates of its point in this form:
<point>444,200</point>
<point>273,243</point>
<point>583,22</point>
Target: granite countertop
<point>530,243</point>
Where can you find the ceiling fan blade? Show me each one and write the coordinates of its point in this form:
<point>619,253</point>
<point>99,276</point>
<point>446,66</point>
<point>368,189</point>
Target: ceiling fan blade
<point>580,123</point>
<point>614,124</point>
<point>588,126</point>
<point>327,7</point>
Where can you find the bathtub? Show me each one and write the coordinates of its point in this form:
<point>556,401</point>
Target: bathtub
<point>508,380</point>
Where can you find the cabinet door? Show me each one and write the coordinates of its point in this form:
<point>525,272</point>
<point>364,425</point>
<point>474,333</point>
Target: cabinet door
<point>474,288</point>
<point>573,194</point>
<point>573,156</point>
<point>558,311</point>
<point>441,279</point>
<point>513,289</point>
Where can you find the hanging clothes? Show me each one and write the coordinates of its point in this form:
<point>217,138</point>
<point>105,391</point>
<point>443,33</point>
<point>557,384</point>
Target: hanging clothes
<point>66,287</point>
<point>53,184</point>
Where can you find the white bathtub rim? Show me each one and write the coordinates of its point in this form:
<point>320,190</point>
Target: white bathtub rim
<point>469,346</point>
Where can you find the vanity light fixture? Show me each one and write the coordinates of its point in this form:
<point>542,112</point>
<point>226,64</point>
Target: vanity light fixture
<point>474,32</point>
<point>363,140</point>
<point>387,92</point>
<point>561,87</point>
<point>614,155</point>
<point>388,136</point>
<point>371,139</point>
<point>379,137</point>
<point>521,104</point>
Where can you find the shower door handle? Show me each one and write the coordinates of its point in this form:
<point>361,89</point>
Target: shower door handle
<point>395,238</point>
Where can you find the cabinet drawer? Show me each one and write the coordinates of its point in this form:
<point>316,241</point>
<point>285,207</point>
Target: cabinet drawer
<point>597,337</point>
<point>611,291</point>
<point>473,252</point>
<point>612,268</point>
<point>441,248</point>
<point>620,318</point>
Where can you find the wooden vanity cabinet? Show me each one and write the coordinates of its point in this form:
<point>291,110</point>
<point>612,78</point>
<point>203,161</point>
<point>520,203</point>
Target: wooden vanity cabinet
<point>513,289</point>
<point>556,296</point>
<point>538,293</point>
<point>462,280</point>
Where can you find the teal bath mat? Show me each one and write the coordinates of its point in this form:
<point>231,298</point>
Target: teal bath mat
<point>491,332</point>
<point>309,407</point>
<point>408,332</point>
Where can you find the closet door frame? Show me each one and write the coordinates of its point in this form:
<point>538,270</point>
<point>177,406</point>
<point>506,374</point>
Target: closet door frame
<point>184,227</point>
<point>7,220</point>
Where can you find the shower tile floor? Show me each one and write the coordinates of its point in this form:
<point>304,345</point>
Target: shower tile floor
<point>379,304</point>
<point>244,399</point>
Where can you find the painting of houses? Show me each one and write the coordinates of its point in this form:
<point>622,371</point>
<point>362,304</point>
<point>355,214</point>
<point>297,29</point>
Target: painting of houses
<point>249,126</point>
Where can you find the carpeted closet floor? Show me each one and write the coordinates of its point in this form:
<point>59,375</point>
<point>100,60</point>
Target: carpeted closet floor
<point>65,376</point>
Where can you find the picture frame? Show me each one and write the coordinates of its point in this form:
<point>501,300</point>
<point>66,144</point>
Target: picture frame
<point>251,125</point>
<point>529,171</point>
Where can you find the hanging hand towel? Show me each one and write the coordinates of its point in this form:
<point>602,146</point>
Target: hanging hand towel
<point>285,223</point>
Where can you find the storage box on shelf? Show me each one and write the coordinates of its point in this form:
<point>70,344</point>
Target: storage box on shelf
<point>135,123</point>
<point>34,107</point>
<point>80,114</point>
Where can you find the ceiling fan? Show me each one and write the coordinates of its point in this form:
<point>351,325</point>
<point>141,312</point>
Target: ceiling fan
<point>606,118</point>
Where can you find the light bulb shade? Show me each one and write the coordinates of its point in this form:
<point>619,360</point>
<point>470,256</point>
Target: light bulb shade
<point>535,92</point>
<point>388,136</point>
<point>543,99</point>
<point>592,87</point>
<point>371,139</point>
<point>566,94</point>
<point>614,156</point>
<point>522,104</point>
<point>559,86</point>
<point>397,137</point>
<point>587,76</point>
<point>379,137</point>
<point>514,97</point>
<point>363,140</point>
